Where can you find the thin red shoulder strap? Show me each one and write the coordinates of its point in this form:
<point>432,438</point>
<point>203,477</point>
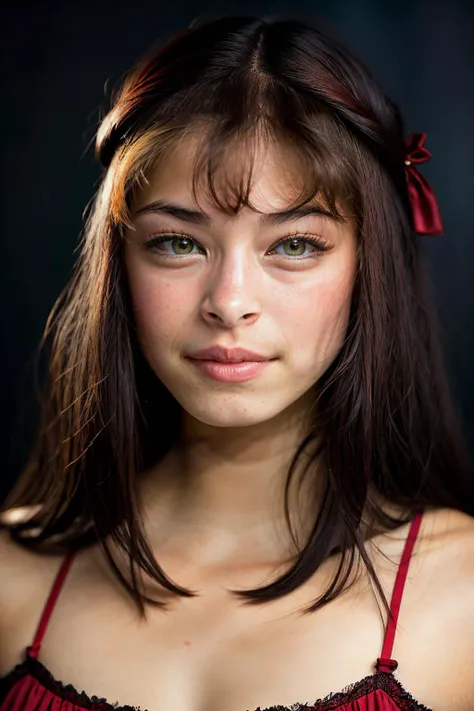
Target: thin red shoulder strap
<point>33,650</point>
<point>385,662</point>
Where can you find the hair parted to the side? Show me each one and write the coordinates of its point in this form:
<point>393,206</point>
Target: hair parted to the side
<point>384,406</point>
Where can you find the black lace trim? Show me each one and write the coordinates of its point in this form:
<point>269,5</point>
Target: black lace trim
<point>382,681</point>
<point>67,692</point>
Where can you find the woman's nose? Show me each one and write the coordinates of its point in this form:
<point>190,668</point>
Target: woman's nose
<point>230,298</point>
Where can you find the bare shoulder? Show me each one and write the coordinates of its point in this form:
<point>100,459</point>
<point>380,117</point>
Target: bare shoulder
<point>442,563</point>
<point>448,520</point>
<point>20,566</point>
<point>449,534</point>
<point>435,631</point>
<point>443,576</point>
<point>26,578</point>
<point>445,538</point>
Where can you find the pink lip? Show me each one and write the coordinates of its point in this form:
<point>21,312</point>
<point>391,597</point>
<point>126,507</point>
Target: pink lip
<point>231,372</point>
<point>228,355</point>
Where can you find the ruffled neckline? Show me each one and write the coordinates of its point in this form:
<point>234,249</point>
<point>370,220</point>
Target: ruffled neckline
<point>379,681</point>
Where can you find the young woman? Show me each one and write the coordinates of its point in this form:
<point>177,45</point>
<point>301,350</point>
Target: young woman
<point>248,456</point>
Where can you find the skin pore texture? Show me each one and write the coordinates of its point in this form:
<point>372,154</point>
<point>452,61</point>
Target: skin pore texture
<point>220,489</point>
<point>212,509</point>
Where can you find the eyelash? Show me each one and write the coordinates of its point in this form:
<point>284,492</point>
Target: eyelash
<point>168,235</point>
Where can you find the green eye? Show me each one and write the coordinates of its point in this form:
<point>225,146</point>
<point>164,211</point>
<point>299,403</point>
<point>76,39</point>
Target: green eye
<point>181,245</point>
<point>178,245</point>
<point>172,245</point>
<point>296,246</point>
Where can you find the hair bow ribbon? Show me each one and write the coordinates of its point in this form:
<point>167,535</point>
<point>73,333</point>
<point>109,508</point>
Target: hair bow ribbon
<point>425,208</point>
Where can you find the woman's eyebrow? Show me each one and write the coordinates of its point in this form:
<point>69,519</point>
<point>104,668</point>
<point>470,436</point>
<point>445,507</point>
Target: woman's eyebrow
<point>267,219</point>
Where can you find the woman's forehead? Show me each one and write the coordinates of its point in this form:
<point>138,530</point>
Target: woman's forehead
<point>275,184</point>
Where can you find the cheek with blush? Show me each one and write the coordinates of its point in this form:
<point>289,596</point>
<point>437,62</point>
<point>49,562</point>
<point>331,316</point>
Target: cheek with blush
<point>316,323</point>
<point>159,310</point>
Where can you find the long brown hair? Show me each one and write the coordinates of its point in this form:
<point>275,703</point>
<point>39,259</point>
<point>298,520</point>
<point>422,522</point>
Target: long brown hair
<point>384,406</point>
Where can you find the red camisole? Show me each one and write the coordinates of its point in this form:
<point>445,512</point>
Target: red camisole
<point>31,687</point>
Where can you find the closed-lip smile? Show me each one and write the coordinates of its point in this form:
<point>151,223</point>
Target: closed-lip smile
<point>227,355</point>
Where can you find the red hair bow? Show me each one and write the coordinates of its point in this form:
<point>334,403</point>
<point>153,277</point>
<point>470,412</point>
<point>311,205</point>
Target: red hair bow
<point>426,213</point>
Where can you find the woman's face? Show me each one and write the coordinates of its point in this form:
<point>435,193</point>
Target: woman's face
<point>224,281</point>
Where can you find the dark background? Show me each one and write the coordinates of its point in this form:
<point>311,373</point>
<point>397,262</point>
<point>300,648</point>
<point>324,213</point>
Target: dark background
<point>59,61</point>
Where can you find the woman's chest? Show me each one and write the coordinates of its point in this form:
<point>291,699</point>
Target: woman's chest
<point>214,653</point>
